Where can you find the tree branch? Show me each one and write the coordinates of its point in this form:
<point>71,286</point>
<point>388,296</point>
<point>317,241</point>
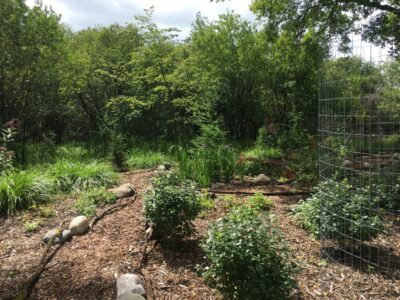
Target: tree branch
<point>376,5</point>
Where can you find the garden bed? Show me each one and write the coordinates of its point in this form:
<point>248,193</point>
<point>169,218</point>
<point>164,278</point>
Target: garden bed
<point>87,267</point>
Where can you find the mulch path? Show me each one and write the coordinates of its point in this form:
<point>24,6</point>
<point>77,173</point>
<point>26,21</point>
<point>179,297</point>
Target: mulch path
<point>87,267</point>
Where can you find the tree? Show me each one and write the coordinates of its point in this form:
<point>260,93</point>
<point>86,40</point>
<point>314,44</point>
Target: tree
<point>30,49</point>
<point>335,17</point>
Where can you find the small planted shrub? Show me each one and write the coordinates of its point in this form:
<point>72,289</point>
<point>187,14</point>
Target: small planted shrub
<point>247,257</point>
<point>77,176</point>
<point>88,201</point>
<point>171,206</point>
<point>338,209</point>
<point>21,189</point>
<point>260,202</point>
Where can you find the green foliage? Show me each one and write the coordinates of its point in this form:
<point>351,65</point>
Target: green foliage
<point>32,226</point>
<point>336,209</point>
<point>247,257</point>
<point>209,160</point>
<point>6,156</point>
<point>171,206</point>
<point>76,176</point>
<point>259,202</point>
<point>304,164</point>
<point>88,201</point>
<point>21,189</point>
<point>144,157</point>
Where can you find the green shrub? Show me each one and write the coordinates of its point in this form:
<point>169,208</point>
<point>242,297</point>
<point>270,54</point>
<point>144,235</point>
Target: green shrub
<point>259,202</point>
<point>172,206</point>
<point>77,176</point>
<point>247,257</point>
<point>304,164</point>
<point>338,209</point>
<point>88,201</point>
<point>21,189</point>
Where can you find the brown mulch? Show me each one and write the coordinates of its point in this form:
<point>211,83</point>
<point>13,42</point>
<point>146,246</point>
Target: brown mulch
<point>87,267</point>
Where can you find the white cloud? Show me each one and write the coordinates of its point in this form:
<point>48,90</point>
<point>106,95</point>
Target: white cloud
<point>80,14</point>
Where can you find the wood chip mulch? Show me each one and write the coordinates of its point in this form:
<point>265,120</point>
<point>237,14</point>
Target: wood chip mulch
<point>87,267</point>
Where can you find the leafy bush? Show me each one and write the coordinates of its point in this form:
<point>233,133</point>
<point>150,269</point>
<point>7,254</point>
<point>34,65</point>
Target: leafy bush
<point>247,258</point>
<point>304,163</point>
<point>259,202</point>
<point>21,189</point>
<point>171,206</point>
<point>88,201</point>
<point>337,207</point>
<point>77,176</point>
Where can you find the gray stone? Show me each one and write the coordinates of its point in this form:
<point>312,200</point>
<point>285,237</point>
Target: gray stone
<point>123,191</point>
<point>262,179</point>
<point>130,296</point>
<point>50,235</point>
<point>66,235</point>
<point>217,185</point>
<point>79,225</point>
<point>130,283</point>
<point>347,164</point>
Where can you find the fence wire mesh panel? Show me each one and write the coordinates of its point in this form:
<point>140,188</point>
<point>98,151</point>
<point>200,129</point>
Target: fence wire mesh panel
<point>359,158</point>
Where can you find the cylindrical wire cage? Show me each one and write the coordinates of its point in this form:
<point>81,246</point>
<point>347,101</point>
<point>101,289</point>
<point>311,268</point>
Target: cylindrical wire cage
<point>359,158</point>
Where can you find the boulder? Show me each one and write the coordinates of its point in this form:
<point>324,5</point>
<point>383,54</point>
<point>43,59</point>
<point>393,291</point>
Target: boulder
<point>130,296</point>
<point>262,179</point>
<point>79,225</point>
<point>130,283</point>
<point>123,191</point>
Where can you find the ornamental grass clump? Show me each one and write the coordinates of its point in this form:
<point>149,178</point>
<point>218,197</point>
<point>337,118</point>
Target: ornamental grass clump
<point>78,176</point>
<point>171,206</point>
<point>21,189</point>
<point>247,257</point>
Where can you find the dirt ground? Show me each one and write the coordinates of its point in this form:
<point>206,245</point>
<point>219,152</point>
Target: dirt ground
<point>87,267</point>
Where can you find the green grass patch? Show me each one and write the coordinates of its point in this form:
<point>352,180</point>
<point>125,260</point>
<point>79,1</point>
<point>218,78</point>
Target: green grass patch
<point>78,176</point>
<point>22,189</point>
<point>142,158</point>
<point>88,201</point>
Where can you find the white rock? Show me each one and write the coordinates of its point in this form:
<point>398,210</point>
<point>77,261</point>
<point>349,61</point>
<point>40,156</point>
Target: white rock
<point>79,225</point>
<point>161,168</point>
<point>123,191</point>
<point>262,179</point>
<point>130,283</point>
<point>129,296</point>
<point>51,234</point>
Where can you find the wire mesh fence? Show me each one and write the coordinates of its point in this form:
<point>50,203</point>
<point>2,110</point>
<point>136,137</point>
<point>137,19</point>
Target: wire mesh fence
<point>359,158</point>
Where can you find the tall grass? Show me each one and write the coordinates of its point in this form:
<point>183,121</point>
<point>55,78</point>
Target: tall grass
<point>21,189</point>
<point>141,158</point>
<point>207,165</point>
<point>77,176</point>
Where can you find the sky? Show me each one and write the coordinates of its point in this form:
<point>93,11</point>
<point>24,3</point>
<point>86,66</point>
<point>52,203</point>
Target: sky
<point>80,14</point>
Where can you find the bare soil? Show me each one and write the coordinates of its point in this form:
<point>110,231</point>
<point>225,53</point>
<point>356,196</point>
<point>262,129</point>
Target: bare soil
<point>87,267</point>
